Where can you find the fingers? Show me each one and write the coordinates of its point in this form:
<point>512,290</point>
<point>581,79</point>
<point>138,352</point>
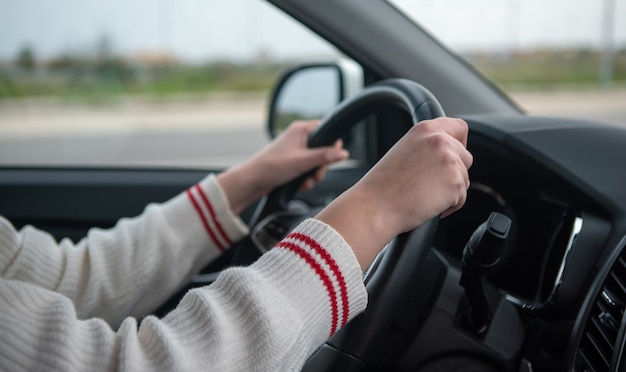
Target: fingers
<point>460,192</point>
<point>455,127</point>
<point>464,155</point>
<point>304,127</point>
<point>448,138</point>
<point>322,156</point>
<point>316,158</point>
<point>310,182</point>
<point>307,185</point>
<point>458,130</point>
<point>335,154</point>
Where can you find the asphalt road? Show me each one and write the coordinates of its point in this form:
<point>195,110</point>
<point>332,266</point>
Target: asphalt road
<point>219,132</point>
<point>207,148</point>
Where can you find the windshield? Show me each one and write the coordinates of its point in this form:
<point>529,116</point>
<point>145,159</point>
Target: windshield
<point>560,57</point>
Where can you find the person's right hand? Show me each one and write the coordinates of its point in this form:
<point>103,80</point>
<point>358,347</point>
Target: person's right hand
<point>423,175</point>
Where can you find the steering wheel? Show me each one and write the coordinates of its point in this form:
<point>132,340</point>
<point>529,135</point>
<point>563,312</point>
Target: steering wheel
<point>407,95</point>
<point>395,270</point>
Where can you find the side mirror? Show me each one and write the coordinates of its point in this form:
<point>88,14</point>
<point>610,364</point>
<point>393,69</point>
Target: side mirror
<point>310,91</point>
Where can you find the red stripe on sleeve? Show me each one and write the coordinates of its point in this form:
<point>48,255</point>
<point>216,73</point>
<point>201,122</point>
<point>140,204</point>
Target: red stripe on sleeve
<point>306,257</point>
<point>204,220</point>
<point>208,205</point>
<point>333,266</point>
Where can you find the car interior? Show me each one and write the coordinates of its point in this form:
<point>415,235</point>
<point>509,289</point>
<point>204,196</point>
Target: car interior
<point>530,275</point>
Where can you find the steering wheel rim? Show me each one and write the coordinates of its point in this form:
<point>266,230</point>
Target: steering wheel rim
<point>407,95</point>
<point>351,346</point>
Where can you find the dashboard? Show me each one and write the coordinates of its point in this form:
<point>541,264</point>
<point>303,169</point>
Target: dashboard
<point>563,185</point>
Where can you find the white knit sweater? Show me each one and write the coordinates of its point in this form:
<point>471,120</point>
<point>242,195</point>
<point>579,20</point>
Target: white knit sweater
<point>73,307</point>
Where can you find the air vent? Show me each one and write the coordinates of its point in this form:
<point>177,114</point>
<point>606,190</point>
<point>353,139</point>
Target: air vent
<point>603,333</point>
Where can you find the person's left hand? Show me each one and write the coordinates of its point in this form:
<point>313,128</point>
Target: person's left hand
<point>282,160</point>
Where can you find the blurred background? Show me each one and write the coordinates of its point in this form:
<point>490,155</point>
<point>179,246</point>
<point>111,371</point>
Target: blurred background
<point>187,82</point>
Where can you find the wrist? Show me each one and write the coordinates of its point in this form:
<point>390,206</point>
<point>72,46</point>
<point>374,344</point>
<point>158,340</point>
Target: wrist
<point>241,186</point>
<point>364,224</point>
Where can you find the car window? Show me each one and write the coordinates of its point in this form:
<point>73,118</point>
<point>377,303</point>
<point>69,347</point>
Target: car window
<point>559,57</point>
<point>141,82</point>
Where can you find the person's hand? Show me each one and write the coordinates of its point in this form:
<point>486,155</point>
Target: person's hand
<point>282,160</point>
<point>288,156</point>
<point>423,175</point>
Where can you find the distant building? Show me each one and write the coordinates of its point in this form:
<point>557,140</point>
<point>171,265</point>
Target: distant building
<point>151,59</point>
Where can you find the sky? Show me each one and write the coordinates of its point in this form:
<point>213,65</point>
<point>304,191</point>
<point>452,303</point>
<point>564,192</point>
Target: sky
<point>199,30</point>
<point>520,23</point>
<point>191,29</point>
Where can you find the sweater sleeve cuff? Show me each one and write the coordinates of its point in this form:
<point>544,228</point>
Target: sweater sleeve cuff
<point>221,225</point>
<point>323,238</point>
<point>335,288</point>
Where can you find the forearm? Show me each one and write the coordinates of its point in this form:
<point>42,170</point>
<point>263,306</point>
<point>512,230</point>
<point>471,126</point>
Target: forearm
<point>362,222</point>
<point>133,267</point>
<point>241,186</point>
<point>269,316</point>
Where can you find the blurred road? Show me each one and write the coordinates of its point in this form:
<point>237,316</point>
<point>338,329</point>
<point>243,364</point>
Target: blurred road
<point>607,106</point>
<point>220,131</point>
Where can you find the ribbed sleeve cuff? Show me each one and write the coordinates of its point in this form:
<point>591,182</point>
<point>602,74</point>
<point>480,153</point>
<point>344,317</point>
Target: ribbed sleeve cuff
<point>213,212</point>
<point>318,266</point>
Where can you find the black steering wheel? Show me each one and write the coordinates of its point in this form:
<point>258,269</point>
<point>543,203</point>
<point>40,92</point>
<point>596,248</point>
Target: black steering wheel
<point>394,271</point>
<point>407,95</point>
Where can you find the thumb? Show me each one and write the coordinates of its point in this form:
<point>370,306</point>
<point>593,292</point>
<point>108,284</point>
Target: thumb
<point>319,156</point>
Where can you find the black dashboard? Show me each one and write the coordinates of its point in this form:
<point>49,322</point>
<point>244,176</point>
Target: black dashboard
<point>563,185</point>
